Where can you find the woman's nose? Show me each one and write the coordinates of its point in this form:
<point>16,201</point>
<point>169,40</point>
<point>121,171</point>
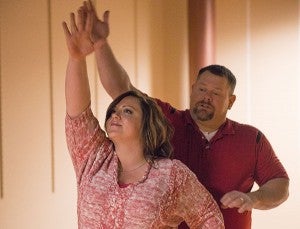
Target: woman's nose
<point>115,114</point>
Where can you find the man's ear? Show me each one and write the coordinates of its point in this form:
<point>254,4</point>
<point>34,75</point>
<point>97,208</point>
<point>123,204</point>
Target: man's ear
<point>231,101</point>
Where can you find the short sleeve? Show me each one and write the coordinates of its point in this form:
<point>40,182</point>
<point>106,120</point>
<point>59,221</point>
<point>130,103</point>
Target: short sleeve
<point>167,109</point>
<point>84,137</point>
<point>193,203</point>
<point>268,165</point>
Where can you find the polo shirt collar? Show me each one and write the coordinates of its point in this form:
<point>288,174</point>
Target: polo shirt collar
<point>227,127</point>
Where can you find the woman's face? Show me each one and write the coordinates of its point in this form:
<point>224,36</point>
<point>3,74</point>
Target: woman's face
<point>125,120</point>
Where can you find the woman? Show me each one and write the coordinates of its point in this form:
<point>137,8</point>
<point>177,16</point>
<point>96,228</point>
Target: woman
<point>126,179</point>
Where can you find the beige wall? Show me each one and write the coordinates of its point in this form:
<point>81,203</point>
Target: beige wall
<point>257,40</point>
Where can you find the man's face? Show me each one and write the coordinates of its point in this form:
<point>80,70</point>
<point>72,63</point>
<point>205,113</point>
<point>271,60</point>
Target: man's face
<point>210,98</point>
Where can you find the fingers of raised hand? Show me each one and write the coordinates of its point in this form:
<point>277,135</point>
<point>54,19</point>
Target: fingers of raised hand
<point>88,4</point>
<point>73,23</point>
<point>89,23</point>
<point>106,16</point>
<point>66,29</point>
<point>83,21</point>
<point>91,7</point>
<point>80,19</point>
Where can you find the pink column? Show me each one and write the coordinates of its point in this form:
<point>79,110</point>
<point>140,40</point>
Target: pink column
<point>201,35</point>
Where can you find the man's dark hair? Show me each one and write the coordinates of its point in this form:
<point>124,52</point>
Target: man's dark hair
<point>221,71</point>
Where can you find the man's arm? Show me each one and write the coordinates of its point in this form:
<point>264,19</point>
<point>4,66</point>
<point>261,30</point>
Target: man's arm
<point>268,196</point>
<point>271,194</point>
<point>113,77</point>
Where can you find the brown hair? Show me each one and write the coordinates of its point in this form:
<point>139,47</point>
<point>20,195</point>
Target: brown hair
<point>156,131</point>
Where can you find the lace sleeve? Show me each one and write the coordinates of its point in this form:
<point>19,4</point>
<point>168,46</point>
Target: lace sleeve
<point>83,136</point>
<point>193,202</point>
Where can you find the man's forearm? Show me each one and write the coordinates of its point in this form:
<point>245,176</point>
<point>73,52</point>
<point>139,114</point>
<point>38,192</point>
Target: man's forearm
<point>271,194</point>
<point>113,77</point>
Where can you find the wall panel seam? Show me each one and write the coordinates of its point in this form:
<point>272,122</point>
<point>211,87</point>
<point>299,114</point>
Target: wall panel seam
<point>51,97</point>
<point>95,77</point>
<point>1,146</point>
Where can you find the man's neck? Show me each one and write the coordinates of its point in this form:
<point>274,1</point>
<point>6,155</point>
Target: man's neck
<point>209,126</point>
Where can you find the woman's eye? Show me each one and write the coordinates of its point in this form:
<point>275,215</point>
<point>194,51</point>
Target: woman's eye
<point>127,111</point>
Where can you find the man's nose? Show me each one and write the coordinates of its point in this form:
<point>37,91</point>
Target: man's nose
<point>208,96</point>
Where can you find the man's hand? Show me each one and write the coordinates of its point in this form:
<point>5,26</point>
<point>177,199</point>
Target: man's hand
<point>239,200</point>
<point>100,28</point>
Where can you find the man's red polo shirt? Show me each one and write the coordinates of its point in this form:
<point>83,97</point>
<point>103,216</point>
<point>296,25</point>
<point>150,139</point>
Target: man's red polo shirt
<point>236,157</point>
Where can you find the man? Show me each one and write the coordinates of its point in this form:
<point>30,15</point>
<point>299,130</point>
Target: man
<point>227,157</point>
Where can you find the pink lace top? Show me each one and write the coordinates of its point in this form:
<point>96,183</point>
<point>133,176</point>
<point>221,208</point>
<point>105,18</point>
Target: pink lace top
<point>168,194</point>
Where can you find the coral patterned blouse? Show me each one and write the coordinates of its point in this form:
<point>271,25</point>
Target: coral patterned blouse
<point>168,194</point>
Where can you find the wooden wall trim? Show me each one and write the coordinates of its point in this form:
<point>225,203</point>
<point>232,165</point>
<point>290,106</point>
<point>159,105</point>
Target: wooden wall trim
<point>51,97</point>
<point>1,148</point>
